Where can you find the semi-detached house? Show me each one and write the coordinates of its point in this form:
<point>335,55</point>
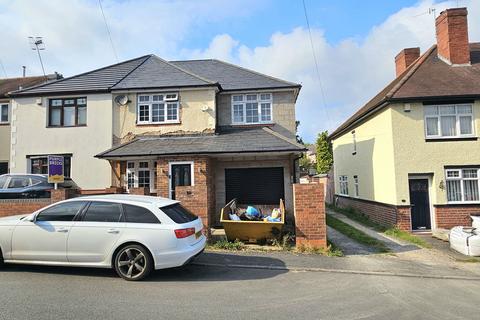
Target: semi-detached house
<point>411,156</point>
<point>202,129</point>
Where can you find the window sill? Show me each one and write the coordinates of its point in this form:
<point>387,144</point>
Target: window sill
<point>79,126</point>
<point>246,125</point>
<point>471,138</point>
<point>153,124</point>
<point>459,203</point>
<point>4,123</point>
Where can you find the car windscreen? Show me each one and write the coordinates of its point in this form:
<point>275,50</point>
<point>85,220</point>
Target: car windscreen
<point>178,213</point>
<point>3,180</point>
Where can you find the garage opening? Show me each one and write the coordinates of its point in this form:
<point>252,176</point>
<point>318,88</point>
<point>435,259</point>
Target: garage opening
<point>263,186</point>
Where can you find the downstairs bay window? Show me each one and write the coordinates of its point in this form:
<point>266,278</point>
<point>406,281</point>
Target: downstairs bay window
<point>158,108</point>
<point>462,185</point>
<point>449,121</point>
<point>252,108</point>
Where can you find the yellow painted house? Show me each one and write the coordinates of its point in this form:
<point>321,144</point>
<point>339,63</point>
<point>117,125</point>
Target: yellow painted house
<point>411,156</point>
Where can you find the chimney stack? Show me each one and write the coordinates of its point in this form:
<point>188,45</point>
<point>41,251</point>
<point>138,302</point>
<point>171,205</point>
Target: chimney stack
<point>452,36</point>
<point>405,58</point>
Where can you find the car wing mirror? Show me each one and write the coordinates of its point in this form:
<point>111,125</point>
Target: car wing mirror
<point>30,218</point>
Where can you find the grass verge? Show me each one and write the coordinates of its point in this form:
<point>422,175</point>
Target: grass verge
<point>408,237</point>
<point>356,234</point>
<point>391,232</point>
<point>236,245</point>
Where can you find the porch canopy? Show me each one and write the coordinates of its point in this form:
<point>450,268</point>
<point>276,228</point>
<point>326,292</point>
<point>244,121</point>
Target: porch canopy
<point>243,140</point>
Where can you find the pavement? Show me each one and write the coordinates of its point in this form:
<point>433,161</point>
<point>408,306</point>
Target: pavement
<point>217,292</point>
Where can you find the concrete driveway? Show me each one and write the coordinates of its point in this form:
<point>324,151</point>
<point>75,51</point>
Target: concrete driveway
<point>212,292</point>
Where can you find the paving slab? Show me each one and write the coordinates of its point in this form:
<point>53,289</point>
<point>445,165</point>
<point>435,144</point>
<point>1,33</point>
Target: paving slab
<point>347,245</point>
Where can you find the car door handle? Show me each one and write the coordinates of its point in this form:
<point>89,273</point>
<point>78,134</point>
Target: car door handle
<point>63,230</point>
<point>113,231</point>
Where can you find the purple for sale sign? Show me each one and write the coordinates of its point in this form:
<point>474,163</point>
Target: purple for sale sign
<point>55,169</point>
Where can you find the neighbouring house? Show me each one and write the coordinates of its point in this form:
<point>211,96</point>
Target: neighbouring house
<point>410,157</point>
<point>6,86</point>
<point>201,131</point>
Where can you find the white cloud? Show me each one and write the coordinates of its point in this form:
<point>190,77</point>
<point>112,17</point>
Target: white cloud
<point>351,71</point>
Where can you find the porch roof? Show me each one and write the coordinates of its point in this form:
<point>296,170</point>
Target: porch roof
<point>251,140</point>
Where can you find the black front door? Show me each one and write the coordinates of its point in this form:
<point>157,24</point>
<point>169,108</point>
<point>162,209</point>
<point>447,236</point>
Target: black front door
<point>181,176</point>
<point>420,204</point>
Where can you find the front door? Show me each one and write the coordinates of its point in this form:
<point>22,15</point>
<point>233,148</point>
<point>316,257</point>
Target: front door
<point>181,175</point>
<point>420,203</point>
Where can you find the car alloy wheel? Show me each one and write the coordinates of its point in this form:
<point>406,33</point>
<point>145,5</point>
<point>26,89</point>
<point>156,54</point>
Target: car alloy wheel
<point>133,263</point>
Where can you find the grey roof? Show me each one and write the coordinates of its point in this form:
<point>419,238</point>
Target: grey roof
<point>251,140</point>
<point>158,73</point>
<point>97,80</point>
<point>232,77</point>
<point>152,72</point>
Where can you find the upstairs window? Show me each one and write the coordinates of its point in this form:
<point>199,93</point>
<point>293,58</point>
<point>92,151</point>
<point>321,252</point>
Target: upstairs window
<point>252,108</point>
<point>462,185</point>
<point>158,108</point>
<point>4,113</point>
<point>67,112</point>
<point>449,121</point>
<point>343,182</point>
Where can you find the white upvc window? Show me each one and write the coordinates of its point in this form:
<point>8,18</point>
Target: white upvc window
<point>355,184</point>
<point>252,108</point>
<point>449,121</point>
<point>4,118</point>
<point>462,185</point>
<point>158,108</point>
<point>141,174</point>
<point>343,182</point>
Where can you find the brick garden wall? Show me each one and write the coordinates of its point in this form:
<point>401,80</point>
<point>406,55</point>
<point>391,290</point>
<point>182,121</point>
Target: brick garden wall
<point>384,214</point>
<point>11,207</point>
<point>455,215</point>
<point>310,222</point>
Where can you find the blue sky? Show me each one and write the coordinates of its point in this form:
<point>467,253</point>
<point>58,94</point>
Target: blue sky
<point>355,41</point>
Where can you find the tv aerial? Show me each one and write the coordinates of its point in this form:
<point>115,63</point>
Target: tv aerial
<point>36,43</point>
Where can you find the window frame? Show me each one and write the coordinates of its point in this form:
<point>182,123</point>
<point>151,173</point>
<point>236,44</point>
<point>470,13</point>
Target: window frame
<point>3,105</point>
<point>356,188</point>
<point>62,107</point>
<point>244,101</point>
<point>67,164</point>
<point>166,102</point>
<point>457,116</point>
<point>135,169</point>
<point>462,179</point>
<point>343,185</point>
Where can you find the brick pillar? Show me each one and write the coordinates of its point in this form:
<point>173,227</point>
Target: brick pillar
<point>404,218</point>
<point>310,222</point>
<point>62,194</point>
<point>140,191</point>
<point>162,178</point>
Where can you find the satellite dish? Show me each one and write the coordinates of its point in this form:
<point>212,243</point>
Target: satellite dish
<point>121,99</point>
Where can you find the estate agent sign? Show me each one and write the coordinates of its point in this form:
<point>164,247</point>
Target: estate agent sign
<point>55,169</point>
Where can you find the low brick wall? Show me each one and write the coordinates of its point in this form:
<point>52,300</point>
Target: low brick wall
<point>381,213</point>
<point>449,216</point>
<point>310,222</point>
<point>12,207</point>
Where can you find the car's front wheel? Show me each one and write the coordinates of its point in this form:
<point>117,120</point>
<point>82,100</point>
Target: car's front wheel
<point>133,262</point>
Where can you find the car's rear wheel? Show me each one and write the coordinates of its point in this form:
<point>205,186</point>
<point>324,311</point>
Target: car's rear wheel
<point>133,262</point>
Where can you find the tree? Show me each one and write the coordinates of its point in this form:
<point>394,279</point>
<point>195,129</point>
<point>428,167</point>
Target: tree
<point>306,164</point>
<point>324,153</point>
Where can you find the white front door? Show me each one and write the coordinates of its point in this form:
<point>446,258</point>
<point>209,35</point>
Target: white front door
<point>45,239</point>
<point>94,236</point>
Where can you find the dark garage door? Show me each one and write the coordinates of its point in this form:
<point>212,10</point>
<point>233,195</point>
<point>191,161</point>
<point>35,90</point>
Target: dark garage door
<point>255,185</point>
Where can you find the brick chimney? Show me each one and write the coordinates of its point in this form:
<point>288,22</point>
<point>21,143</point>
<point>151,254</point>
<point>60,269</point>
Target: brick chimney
<point>405,58</point>
<point>452,36</point>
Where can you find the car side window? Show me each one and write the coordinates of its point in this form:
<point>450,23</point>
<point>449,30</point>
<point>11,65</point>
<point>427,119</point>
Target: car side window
<point>135,214</point>
<point>61,212</point>
<point>103,212</point>
<point>18,182</point>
